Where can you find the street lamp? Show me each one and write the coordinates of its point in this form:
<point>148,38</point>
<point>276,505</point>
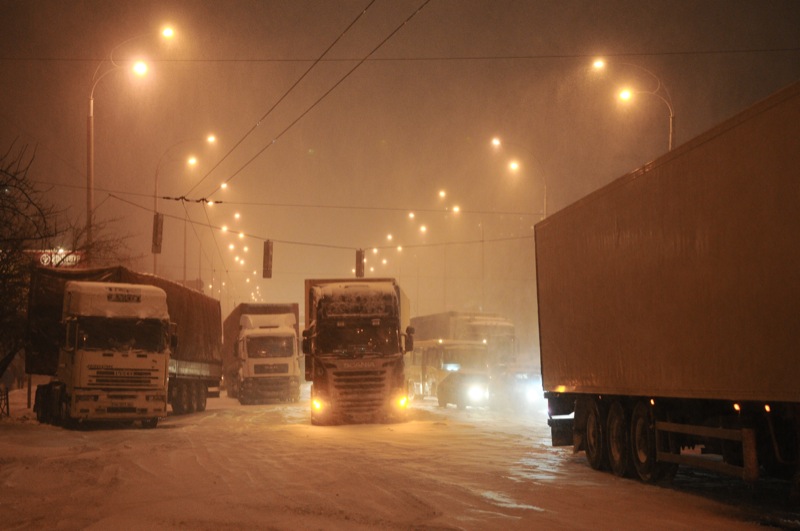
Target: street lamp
<point>157,219</point>
<point>514,166</point>
<point>139,68</point>
<point>660,92</point>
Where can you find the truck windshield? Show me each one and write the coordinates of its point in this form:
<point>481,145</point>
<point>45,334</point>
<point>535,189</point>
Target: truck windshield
<point>270,347</point>
<point>357,338</point>
<point>465,358</point>
<point>122,334</point>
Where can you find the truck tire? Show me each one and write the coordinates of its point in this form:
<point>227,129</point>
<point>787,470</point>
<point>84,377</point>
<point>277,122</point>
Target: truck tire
<point>233,388</point>
<point>40,404</point>
<point>54,405</point>
<point>201,392</point>
<point>179,398</point>
<point>595,436</point>
<point>191,397</point>
<point>618,431</point>
<point>643,443</point>
<point>150,423</point>
<point>66,420</point>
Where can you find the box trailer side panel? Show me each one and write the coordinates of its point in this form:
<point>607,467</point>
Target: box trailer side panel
<point>682,279</point>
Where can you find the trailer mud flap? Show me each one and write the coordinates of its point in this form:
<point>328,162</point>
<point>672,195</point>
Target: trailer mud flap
<point>560,431</point>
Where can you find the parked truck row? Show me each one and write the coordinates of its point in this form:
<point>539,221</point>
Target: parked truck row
<point>669,307</point>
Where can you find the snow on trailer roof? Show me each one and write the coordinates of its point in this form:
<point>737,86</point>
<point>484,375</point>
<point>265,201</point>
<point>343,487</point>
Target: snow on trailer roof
<point>361,298</point>
<point>106,299</point>
<point>488,321</point>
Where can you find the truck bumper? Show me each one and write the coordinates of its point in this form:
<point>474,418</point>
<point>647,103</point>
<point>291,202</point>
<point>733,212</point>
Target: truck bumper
<point>97,404</point>
<point>270,388</point>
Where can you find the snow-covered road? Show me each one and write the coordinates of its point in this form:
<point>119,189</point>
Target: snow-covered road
<point>266,467</point>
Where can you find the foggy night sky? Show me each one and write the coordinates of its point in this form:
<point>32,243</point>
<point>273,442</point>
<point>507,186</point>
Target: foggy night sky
<point>415,118</point>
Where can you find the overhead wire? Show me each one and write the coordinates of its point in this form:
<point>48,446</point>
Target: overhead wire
<point>501,57</point>
<point>323,96</point>
<point>259,237</point>
<point>283,97</point>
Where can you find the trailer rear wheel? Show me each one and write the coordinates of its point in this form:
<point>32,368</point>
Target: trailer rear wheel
<point>643,444</point>
<point>191,397</point>
<point>619,443</point>
<point>201,392</point>
<point>595,438</point>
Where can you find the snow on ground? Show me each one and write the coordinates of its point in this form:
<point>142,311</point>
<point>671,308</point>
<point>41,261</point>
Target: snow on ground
<point>266,467</point>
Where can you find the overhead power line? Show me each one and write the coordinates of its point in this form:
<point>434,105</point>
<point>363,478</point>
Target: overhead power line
<point>494,57</point>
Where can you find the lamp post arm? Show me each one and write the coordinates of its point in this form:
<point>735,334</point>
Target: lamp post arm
<point>671,115</point>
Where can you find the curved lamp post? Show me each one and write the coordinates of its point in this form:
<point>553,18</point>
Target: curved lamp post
<point>660,92</point>
<point>139,68</point>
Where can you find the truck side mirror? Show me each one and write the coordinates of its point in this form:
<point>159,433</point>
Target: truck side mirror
<point>72,327</point>
<point>409,339</point>
<point>306,342</point>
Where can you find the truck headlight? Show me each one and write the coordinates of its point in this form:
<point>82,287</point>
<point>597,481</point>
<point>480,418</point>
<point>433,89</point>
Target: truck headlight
<point>402,402</point>
<point>478,393</point>
<point>318,405</point>
<point>531,394</point>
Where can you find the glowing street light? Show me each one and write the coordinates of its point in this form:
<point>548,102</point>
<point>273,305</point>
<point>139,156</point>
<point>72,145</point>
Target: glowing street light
<point>139,68</point>
<point>157,218</point>
<point>514,166</point>
<point>660,92</point>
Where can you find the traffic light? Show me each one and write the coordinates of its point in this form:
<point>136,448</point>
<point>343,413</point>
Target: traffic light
<point>158,232</point>
<point>360,263</point>
<point>267,270</point>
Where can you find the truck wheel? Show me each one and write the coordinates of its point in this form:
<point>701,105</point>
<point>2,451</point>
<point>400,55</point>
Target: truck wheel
<point>149,424</point>
<point>55,406</point>
<point>40,404</point>
<point>64,417</point>
<point>233,389</point>
<point>202,396</point>
<point>643,443</point>
<point>595,438</point>
<point>619,447</point>
<point>179,399</point>
<point>191,397</point>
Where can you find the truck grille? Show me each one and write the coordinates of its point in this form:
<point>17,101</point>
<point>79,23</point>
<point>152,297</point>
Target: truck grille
<point>122,378</point>
<point>361,394</point>
<point>271,368</point>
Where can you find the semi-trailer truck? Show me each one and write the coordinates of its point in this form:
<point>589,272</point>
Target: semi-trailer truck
<point>669,306</point>
<point>112,356</point>
<point>354,344</point>
<point>195,359</point>
<point>261,352</point>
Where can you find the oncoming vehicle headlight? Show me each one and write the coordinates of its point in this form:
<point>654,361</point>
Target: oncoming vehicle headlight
<point>317,404</point>
<point>531,394</point>
<point>478,393</point>
<point>402,402</point>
